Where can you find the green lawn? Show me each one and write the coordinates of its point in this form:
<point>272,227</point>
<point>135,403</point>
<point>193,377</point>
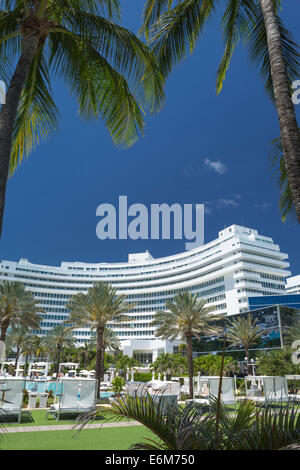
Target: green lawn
<point>89,439</point>
<point>39,419</point>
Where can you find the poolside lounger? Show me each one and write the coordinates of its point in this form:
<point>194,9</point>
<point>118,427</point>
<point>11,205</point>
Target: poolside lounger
<point>11,397</point>
<point>274,388</point>
<point>227,397</point>
<point>78,396</point>
<point>43,399</point>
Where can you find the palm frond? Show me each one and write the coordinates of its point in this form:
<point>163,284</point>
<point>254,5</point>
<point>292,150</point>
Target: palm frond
<point>99,88</point>
<point>175,34</point>
<point>286,203</point>
<point>152,11</point>
<point>259,54</point>
<point>235,29</point>
<point>124,52</point>
<point>37,113</point>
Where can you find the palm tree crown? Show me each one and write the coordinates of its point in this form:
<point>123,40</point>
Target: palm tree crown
<point>243,332</point>
<point>110,71</point>
<point>96,309</point>
<point>186,317</point>
<point>17,307</point>
<point>57,340</point>
<point>173,28</point>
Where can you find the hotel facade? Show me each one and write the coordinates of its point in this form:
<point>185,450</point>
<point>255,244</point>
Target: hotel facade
<point>239,264</point>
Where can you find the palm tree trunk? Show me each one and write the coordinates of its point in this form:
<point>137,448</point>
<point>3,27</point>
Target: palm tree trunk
<point>286,113</point>
<point>190,364</point>
<point>3,334</point>
<point>102,364</point>
<point>248,361</point>
<point>99,352</point>
<point>17,358</point>
<point>4,326</point>
<point>9,111</point>
<point>58,360</point>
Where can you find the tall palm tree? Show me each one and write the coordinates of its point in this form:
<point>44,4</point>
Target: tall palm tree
<point>243,332</point>
<point>29,347</point>
<point>17,338</point>
<point>186,317</point>
<point>38,346</point>
<point>111,342</point>
<point>56,341</point>
<point>111,72</point>
<point>174,26</point>
<point>96,309</point>
<point>17,307</point>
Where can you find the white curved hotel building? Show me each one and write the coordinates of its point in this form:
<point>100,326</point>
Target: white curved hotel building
<point>240,263</point>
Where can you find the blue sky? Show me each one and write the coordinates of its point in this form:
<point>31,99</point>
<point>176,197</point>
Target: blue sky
<point>52,199</point>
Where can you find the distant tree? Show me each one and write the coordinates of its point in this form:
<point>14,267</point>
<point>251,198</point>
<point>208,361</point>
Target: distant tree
<point>17,307</point>
<point>56,341</point>
<point>84,353</point>
<point>210,364</point>
<point>96,309</point>
<point>19,340</point>
<point>243,332</point>
<point>276,362</point>
<point>186,317</point>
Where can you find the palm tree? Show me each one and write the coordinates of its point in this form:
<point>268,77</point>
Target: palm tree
<point>29,347</point>
<point>18,338</point>
<point>243,332</point>
<point>96,309</point>
<point>17,307</point>
<point>124,363</point>
<point>112,73</point>
<point>56,341</point>
<point>84,352</point>
<point>38,346</point>
<point>111,342</point>
<point>174,26</point>
<point>186,317</point>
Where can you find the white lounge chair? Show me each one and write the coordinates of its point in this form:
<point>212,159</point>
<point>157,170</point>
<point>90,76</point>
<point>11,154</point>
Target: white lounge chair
<point>136,388</point>
<point>294,397</point>
<point>78,396</point>
<point>43,399</point>
<point>32,398</point>
<point>212,384</point>
<point>275,389</point>
<point>227,392</point>
<point>11,397</point>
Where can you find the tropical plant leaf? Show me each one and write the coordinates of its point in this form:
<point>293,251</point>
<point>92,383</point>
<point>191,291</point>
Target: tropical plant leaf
<point>286,203</point>
<point>37,113</point>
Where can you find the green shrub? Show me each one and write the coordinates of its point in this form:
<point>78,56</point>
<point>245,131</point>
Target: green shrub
<point>117,384</point>
<point>25,397</point>
<point>143,376</point>
<point>276,362</point>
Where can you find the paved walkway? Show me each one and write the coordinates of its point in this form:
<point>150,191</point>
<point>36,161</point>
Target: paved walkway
<point>66,427</point>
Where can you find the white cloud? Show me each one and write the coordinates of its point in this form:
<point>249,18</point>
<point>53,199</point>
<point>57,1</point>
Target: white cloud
<point>217,166</point>
<point>221,203</point>
<point>263,206</point>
